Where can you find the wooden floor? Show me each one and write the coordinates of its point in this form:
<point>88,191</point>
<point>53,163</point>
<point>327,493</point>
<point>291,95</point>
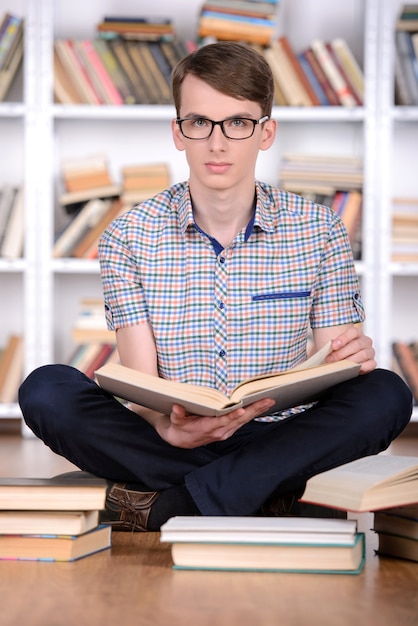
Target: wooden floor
<point>134,584</point>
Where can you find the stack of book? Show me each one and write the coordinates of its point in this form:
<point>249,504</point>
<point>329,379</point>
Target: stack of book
<point>330,180</point>
<point>12,226</point>
<point>397,530</point>
<point>405,230</point>
<point>140,182</point>
<point>325,73</point>
<point>284,544</point>
<point>11,50</point>
<point>51,519</point>
<point>405,363</point>
<point>406,56</point>
<point>129,62</point>
<point>90,201</point>
<point>95,344</point>
<point>252,21</point>
<point>11,368</point>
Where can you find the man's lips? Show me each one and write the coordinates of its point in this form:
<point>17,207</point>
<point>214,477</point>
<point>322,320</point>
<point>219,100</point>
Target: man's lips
<point>217,168</point>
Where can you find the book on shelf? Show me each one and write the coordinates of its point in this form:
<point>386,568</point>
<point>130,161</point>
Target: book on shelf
<point>97,72</point>
<point>298,69</point>
<point>45,547</point>
<point>408,365</point>
<point>81,173</point>
<point>79,225</point>
<point>72,200</point>
<point>65,91</point>
<point>316,67</point>
<point>406,70</point>
<point>136,27</point>
<point>243,7</point>
<point>313,80</point>
<point>120,50</point>
<point>88,356</point>
<point>341,68</point>
<point>47,522</point>
<point>12,58</point>
<point>304,171</point>
<point>74,68</point>
<point>232,27</point>
<point>115,70</point>
<point>11,244</point>
<point>367,484</point>
<point>265,544</point>
<point>408,18</point>
<point>155,85</point>
<point>303,383</point>
<point>11,29</point>
<point>350,64</point>
<point>11,368</point>
<point>90,326</point>
<point>140,182</point>
<point>7,198</point>
<point>87,247</point>
<point>52,494</point>
<point>332,72</point>
<point>287,78</point>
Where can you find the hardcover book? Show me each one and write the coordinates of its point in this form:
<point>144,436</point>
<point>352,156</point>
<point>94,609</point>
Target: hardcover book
<point>301,384</point>
<point>54,548</point>
<point>368,484</point>
<point>265,544</point>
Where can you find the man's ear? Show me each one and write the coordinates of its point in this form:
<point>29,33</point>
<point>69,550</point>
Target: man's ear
<point>269,134</point>
<point>177,136</point>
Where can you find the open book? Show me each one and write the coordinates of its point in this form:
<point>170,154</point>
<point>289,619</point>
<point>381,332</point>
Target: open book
<point>369,484</point>
<point>303,383</point>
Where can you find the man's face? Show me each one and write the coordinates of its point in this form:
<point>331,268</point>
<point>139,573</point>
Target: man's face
<point>218,162</point>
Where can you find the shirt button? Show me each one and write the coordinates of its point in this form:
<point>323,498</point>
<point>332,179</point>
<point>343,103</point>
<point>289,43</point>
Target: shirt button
<point>222,259</point>
<point>222,353</point>
<point>221,305</point>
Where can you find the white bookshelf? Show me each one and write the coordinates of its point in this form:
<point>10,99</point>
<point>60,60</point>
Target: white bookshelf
<point>44,293</point>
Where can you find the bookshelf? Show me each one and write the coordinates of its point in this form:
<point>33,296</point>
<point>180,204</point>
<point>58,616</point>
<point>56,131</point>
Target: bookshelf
<point>45,292</point>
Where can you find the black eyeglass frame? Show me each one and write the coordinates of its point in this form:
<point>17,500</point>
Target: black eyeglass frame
<point>220,123</point>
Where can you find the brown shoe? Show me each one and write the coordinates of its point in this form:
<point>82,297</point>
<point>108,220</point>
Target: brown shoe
<point>127,509</point>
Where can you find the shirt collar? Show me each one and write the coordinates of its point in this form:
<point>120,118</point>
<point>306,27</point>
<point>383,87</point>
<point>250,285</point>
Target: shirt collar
<point>265,216</point>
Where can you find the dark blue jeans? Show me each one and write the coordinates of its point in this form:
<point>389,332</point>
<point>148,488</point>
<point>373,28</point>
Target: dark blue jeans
<point>86,425</point>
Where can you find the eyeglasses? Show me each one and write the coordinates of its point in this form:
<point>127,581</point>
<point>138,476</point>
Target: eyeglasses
<point>232,127</point>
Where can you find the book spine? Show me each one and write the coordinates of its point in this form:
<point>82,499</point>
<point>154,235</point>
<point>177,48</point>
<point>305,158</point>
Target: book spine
<point>350,64</point>
<point>316,85</point>
<point>8,37</point>
<point>344,74</point>
<point>293,59</point>
<point>334,76</point>
<point>76,71</point>
<point>321,77</point>
<point>121,82</point>
<point>406,65</point>
<point>111,93</point>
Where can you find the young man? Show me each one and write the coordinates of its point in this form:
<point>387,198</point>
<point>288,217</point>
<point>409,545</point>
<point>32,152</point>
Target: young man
<point>212,281</point>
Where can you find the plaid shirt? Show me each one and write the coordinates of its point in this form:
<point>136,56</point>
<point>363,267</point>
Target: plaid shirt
<point>220,316</point>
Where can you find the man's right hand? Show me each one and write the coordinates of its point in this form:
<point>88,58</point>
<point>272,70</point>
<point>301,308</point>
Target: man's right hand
<point>191,431</point>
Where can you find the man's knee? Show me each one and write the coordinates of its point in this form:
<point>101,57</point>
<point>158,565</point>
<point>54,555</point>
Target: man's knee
<point>43,395</point>
<point>392,398</point>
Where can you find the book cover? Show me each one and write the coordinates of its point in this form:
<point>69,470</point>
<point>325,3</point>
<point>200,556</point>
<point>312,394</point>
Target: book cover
<point>55,548</point>
<point>310,92</point>
<point>47,522</point>
<point>367,484</point>
<point>387,522</point>
<point>322,78</point>
<point>232,529</point>
<point>278,557</point>
<point>398,547</point>
<point>86,219</point>
<point>52,494</point>
<point>303,383</point>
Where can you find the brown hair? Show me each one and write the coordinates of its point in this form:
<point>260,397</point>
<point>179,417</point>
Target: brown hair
<point>234,69</point>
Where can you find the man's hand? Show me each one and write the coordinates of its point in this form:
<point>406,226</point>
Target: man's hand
<point>353,344</point>
<point>191,431</point>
